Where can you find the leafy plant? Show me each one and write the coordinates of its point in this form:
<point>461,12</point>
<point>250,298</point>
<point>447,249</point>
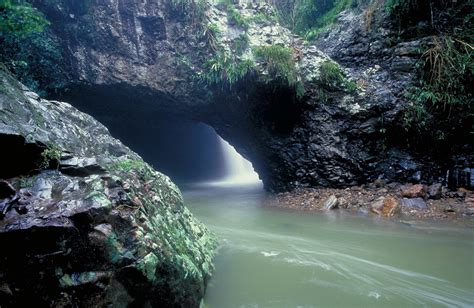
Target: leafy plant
<point>309,17</point>
<point>279,62</point>
<point>211,34</point>
<point>225,70</point>
<point>235,18</point>
<point>28,51</point>
<point>331,76</point>
<point>51,155</point>
<point>233,15</point>
<point>444,90</point>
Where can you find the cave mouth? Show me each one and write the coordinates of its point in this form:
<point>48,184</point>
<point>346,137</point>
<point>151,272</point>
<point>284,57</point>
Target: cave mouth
<point>187,150</point>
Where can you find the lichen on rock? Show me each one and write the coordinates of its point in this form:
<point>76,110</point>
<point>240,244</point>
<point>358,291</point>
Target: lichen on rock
<point>98,225</point>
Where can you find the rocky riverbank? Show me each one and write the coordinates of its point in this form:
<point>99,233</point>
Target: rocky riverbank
<point>391,200</point>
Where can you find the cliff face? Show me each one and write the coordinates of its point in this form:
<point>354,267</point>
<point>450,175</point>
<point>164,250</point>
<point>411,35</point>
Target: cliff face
<point>84,220</point>
<point>153,55</point>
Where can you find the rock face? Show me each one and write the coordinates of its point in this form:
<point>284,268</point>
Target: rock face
<point>84,219</point>
<point>150,54</point>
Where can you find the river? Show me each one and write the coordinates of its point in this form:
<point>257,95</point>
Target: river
<point>275,258</point>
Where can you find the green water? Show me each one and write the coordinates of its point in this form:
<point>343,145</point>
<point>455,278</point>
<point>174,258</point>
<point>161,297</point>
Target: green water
<point>275,258</point>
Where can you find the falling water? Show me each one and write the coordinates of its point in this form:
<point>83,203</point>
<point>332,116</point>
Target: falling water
<point>238,170</point>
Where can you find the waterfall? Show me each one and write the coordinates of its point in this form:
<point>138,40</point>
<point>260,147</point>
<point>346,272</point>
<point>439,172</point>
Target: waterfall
<point>238,170</point>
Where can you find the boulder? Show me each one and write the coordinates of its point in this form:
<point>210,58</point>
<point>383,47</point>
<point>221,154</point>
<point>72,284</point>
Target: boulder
<point>331,203</point>
<point>385,206</point>
<point>435,191</point>
<point>413,191</point>
<point>98,227</point>
<point>414,203</point>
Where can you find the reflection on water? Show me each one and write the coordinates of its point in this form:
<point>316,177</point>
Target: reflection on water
<point>273,258</point>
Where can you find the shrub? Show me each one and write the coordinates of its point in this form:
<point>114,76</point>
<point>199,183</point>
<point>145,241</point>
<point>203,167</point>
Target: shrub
<point>28,51</point>
<point>443,95</point>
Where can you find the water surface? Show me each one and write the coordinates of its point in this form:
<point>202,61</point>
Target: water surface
<point>276,258</point>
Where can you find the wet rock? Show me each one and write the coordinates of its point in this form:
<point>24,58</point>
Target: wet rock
<point>390,207</point>
<point>435,191</point>
<point>80,166</point>
<point>413,191</point>
<point>468,211</point>
<point>385,206</point>
<point>103,229</point>
<point>321,139</point>
<point>377,206</point>
<point>414,203</point>
<point>331,203</point>
<point>6,190</point>
<point>8,197</point>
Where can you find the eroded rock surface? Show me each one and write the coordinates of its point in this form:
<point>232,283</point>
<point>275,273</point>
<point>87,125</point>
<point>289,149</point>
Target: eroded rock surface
<point>151,55</point>
<point>85,220</point>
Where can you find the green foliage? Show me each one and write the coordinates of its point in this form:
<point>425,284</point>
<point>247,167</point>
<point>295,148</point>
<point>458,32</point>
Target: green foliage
<point>196,9</point>
<point>309,17</point>
<point>19,19</point>
<point>233,15</point>
<point>224,70</point>
<point>261,18</point>
<point>211,33</point>
<point>128,165</point>
<point>51,155</point>
<point>314,17</point>
<point>331,76</point>
<point>27,50</point>
<point>279,61</point>
<point>235,18</point>
<point>241,43</point>
<point>400,7</point>
<point>424,17</point>
<point>443,95</point>
<point>25,182</point>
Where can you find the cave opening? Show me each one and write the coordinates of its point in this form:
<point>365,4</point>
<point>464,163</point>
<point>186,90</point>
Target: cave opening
<point>185,149</point>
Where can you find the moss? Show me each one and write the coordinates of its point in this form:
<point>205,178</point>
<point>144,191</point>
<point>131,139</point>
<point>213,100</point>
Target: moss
<point>128,165</point>
<point>331,76</point>
<point>147,266</point>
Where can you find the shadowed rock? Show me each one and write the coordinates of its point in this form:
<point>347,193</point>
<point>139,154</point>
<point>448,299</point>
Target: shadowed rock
<point>93,224</point>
